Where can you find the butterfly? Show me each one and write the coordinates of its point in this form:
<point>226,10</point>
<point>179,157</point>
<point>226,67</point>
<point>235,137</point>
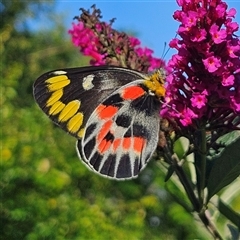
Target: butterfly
<point>112,111</point>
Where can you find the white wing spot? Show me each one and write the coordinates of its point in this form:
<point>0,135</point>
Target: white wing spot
<point>59,72</point>
<point>87,82</point>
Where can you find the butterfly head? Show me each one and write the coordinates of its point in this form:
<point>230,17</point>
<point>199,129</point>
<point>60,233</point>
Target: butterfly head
<point>155,83</point>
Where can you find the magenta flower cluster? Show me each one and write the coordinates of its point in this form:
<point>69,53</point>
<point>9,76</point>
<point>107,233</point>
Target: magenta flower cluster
<point>205,79</point>
<point>107,46</point>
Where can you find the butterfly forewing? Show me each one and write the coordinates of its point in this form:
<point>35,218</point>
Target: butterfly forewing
<point>69,96</point>
<point>122,132</point>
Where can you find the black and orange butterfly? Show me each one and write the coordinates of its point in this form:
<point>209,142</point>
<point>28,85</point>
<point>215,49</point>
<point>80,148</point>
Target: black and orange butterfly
<point>112,111</point>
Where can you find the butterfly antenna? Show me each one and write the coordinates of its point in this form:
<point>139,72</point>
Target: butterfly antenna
<point>165,51</point>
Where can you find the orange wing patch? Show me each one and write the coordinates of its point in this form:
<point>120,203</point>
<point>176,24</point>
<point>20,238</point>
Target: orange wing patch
<point>104,130</point>
<point>105,112</point>
<point>132,92</point>
<point>138,144</point>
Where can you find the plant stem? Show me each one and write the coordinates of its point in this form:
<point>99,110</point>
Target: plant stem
<point>203,152</point>
<point>172,159</point>
<point>196,203</point>
<point>208,224</point>
<point>200,163</point>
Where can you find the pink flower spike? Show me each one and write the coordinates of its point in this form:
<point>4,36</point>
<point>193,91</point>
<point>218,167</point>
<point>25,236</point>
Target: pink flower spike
<point>206,69</point>
<point>212,63</point>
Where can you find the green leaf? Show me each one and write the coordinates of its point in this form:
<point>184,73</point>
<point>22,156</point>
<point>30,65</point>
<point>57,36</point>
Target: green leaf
<point>169,173</point>
<point>225,169</point>
<point>234,232</point>
<point>229,138</point>
<point>181,147</point>
<point>229,213</point>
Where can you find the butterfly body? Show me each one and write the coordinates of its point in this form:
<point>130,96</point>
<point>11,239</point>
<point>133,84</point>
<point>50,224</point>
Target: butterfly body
<point>114,113</point>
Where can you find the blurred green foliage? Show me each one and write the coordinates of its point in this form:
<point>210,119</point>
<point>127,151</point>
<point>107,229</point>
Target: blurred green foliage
<point>46,192</point>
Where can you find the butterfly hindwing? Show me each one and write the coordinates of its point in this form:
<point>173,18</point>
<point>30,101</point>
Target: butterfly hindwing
<point>122,132</point>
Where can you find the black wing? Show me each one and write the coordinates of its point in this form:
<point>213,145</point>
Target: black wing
<point>69,96</point>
